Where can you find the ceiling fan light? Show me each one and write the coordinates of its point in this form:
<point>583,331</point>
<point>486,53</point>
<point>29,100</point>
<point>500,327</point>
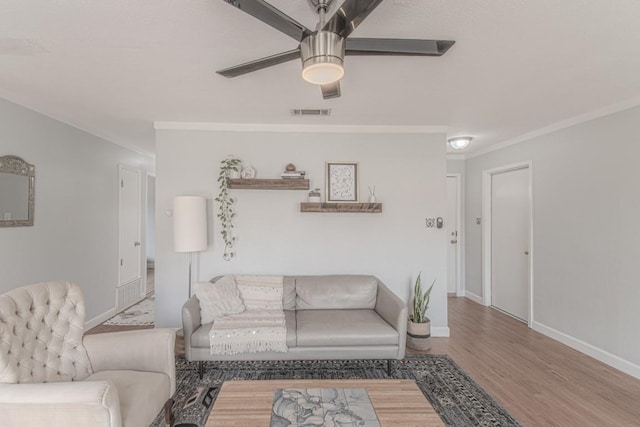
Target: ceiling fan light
<point>322,73</point>
<point>460,143</point>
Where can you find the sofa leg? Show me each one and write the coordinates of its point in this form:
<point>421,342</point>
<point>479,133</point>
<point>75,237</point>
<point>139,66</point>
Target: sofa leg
<point>389,367</point>
<point>169,417</point>
<point>201,369</point>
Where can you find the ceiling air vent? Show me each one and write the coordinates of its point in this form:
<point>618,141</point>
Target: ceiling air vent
<point>310,112</point>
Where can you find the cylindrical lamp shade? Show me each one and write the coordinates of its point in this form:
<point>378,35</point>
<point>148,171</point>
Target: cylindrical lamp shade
<point>189,224</point>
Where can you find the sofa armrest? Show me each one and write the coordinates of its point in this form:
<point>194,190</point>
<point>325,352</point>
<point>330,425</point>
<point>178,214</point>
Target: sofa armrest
<point>394,311</point>
<point>80,403</point>
<point>147,350</point>
<point>190,322</point>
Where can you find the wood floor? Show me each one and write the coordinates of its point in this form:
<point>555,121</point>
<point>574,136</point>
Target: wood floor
<point>540,381</point>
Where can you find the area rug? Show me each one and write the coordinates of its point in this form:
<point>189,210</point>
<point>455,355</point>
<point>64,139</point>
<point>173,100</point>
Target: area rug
<point>457,399</point>
<point>142,313</point>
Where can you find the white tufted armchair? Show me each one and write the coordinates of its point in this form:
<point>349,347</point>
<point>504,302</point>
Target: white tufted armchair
<point>51,376</point>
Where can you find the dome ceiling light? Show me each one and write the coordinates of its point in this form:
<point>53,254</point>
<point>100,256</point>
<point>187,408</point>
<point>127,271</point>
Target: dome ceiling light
<point>460,142</point>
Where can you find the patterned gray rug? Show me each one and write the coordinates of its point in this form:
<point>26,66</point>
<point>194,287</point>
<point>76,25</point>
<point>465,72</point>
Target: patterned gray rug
<point>456,398</point>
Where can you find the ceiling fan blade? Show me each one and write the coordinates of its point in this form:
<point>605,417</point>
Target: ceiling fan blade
<point>345,15</point>
<point>261,63</point>
<point>268,14</point>
<point>407,47</point>
<point>332,90</point>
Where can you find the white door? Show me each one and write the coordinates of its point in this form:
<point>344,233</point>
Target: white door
<point>130,247</point>
<point>510,242</point>
<point>452,234</point>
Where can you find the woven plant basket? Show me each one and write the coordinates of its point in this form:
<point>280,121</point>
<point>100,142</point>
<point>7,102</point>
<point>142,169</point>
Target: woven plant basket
<point>419,335</point>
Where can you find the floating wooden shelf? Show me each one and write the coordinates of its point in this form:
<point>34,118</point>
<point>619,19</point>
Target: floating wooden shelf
<point>341,207</point>
<point>269,184</point>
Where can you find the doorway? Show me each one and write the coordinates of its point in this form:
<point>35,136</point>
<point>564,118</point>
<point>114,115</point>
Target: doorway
<point>129,290</point>
<point>454,232</point>
<point>507,237</point>
<point>151,235</point>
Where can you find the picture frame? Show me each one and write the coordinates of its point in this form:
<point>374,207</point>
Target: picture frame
<point>342,182</point>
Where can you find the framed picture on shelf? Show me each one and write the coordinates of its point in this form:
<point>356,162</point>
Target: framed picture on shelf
<point>342,182</point>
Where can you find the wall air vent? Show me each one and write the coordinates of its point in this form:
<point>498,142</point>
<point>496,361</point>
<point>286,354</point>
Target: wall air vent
<point>310,112</point>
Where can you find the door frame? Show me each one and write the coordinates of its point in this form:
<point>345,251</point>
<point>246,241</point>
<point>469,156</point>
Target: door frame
<point>460,226</point>
<point>487,232</point>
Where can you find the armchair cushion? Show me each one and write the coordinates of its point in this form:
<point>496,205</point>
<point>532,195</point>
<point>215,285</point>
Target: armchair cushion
<point>41,329</point>
<point>142,394</point>
<point>147,350</point>
<point>84,403</point>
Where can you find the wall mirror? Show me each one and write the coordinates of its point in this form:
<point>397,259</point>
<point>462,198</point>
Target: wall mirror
<point>17,192</point>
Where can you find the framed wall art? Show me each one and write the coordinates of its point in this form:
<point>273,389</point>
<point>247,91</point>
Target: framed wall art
<point>342,182</point>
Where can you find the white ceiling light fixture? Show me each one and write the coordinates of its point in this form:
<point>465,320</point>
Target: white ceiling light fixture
<point>322,58</point>
<point>460,142</point>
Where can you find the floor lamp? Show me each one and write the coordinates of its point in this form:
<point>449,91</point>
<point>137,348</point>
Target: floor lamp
<point>189,227</point>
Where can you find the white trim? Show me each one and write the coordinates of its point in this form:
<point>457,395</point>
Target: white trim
<point>440,331</point>
<point>473,297</point>
<point>576,120</point>
<point>455,156</point>
<point>486,232</point>
<point>460,236</point>
<point>263,127</point>
<point>590,350</point>
<point>99,319</point>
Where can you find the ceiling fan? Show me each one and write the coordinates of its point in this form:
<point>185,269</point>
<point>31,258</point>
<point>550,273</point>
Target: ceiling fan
<point>322,51</point>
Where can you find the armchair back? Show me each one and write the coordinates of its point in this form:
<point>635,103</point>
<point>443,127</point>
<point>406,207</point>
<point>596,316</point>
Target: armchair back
<point>41,329</point>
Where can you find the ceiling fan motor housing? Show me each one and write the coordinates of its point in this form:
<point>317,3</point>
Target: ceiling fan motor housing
<point>323,49</point>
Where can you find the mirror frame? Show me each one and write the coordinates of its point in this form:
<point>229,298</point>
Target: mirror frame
<point>17,166</point>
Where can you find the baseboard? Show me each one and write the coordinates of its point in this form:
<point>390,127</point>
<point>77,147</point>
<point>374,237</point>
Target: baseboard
<point>460,293</point>
<point>100,318</point>
<point>590,350</point>
<point>440,331</point>
<point>473,297</point>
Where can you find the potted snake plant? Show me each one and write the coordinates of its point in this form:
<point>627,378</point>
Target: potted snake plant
<point>419,325</point>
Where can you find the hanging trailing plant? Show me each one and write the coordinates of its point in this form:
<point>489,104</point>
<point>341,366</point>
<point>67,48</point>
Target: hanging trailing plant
<point>225,210</point>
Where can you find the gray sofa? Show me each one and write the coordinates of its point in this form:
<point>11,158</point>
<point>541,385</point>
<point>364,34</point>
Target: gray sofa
<point>327,317</point>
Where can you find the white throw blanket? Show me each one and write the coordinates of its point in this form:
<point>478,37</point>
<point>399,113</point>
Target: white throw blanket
<point>254,330</point>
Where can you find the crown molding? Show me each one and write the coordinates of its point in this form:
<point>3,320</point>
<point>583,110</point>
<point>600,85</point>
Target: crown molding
<point>576,120</point>
<point>261,127</point>
<point>456,156</point>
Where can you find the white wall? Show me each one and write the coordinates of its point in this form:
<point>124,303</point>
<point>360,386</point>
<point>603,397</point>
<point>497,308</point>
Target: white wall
<point>586,207</point>
<point>75,233</point>
<point>408,171</point>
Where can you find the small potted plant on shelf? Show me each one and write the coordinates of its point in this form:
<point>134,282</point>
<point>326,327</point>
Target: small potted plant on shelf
<point>419,325</point>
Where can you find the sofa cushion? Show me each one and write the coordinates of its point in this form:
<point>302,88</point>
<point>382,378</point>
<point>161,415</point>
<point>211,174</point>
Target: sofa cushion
<point>200,337</point>
<point>343,328</point>
<point>261,292</point>
<point>142,394</point>
<point>218,299</point>
<point>289,293</point>
<point>336,292</point>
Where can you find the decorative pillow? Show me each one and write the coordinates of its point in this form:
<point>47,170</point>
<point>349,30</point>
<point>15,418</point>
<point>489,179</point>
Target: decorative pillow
<point>261,292</point>
<point>218,299</point>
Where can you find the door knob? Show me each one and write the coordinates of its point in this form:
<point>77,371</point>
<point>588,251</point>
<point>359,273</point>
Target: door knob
<point>526,252</point>
<point>454,241</point>
<point>136,243</point>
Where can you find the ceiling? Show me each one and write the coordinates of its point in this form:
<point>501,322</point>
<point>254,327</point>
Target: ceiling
<point>114,67</point>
